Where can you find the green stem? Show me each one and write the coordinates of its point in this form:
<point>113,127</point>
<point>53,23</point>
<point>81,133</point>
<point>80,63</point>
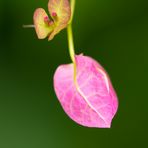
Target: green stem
<point>70,34</point>
<point>71,43</point>
<point>70,39</point>
<point>73,2</point>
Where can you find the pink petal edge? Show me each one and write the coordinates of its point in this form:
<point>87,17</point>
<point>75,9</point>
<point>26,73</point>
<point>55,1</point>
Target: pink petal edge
<point>95,103</point>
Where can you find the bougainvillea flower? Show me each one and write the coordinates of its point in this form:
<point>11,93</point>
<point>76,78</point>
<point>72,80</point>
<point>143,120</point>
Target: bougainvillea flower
<point>83,88</point>
<point>90,100</point>
<point>60,13</point>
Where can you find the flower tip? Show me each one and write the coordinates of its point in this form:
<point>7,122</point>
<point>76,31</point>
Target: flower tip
<point>54,14</point>
<point>46,18</point>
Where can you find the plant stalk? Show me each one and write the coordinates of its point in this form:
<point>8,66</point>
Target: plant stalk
<point>70,34</point>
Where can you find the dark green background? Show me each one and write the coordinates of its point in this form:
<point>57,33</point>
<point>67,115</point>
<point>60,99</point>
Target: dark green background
<point>114,32</point>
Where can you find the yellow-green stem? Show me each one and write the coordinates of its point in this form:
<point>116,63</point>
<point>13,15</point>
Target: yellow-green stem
<point>70,34</point>
<point>72,9</point>
<point>71,43</point>
<point>70,39</point>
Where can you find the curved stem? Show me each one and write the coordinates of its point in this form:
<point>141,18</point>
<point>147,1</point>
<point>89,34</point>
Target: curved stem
<point>71,43</point>
<point>70,34</point>
<point>70,39</point>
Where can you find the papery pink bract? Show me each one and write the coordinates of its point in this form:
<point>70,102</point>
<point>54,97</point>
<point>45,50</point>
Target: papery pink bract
<point>93,103</point>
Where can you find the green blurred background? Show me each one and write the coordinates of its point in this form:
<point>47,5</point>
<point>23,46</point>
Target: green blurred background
<point>114,32</point>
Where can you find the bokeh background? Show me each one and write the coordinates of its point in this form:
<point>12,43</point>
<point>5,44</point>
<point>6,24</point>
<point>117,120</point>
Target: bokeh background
<point>114,32</point>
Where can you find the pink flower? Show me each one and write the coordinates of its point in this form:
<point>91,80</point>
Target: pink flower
<point>90,100</point>
<point>83,88</point>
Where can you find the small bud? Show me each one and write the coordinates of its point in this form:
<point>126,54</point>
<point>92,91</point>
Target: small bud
<point>46,20</point>
<point>54,14</point>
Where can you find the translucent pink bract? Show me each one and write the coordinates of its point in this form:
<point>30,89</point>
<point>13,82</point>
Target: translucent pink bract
<point>93,103</point>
